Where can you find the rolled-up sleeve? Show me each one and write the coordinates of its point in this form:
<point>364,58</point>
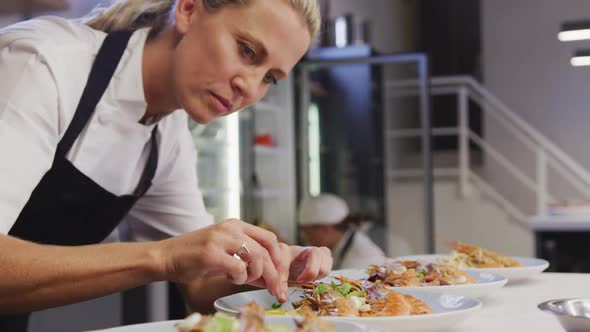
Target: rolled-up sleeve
<point>28,126</point>
<point>174,204</point>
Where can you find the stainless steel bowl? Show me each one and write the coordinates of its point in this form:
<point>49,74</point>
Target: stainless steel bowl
<point>573,314</point>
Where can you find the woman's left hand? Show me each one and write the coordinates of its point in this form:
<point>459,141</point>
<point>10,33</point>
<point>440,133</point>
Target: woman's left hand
<point>300,264</point>
<point>309,263</point>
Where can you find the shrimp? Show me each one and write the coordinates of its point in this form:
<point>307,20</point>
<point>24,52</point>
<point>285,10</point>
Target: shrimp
<point>393,304</point>
<point>340,307</point>
<point>417,306</point>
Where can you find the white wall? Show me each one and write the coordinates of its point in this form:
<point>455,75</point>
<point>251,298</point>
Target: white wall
<point>79,8</point>
<point>474,219</point>
<point>528,68</point>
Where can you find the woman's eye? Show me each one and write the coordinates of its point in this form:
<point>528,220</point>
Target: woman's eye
<point>247,51</point>
<point>270,79</point>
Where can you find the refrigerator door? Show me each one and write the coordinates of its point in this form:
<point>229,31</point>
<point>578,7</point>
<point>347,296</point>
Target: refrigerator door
<point>218,166</point>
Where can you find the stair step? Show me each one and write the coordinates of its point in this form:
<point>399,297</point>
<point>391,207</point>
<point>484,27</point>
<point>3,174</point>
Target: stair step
<point>440,159</point>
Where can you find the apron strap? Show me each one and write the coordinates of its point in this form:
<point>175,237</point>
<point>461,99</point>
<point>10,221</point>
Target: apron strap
<point>103,69</point>
<point>150,168</point>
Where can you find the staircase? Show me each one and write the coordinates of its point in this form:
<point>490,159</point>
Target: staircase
<point>476,218</point>
<point>487,203</point>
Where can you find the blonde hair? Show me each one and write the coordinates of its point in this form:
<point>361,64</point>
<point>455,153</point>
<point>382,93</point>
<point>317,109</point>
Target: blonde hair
<point>157,14</point>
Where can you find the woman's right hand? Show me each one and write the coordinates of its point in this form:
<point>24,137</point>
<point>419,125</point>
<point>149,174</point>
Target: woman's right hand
<point>210,251</point>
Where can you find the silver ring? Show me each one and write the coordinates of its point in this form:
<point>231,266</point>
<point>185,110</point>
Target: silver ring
<point>243,249</point>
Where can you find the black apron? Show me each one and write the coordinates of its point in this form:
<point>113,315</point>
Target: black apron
<point>68,208</point>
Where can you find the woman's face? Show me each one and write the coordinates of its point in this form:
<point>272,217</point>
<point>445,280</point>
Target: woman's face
<point>227,59</point>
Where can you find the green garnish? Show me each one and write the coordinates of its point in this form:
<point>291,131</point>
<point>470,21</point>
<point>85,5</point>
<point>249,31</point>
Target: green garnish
<point>420,274</point>
<point>344,289</point>
<point>320,289</point>
<point>276,305</point>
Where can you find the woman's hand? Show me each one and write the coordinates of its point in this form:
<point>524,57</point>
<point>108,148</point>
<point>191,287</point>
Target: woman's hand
<point>211,250</point>
<point>301,264</point>
<point>309,263</point>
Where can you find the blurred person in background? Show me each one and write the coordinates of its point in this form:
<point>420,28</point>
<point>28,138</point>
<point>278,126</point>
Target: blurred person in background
<point>325,220</point>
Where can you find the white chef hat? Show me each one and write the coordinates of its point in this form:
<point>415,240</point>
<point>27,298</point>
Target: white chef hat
<point>322,209</point>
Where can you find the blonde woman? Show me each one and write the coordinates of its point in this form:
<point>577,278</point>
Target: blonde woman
<point>93,129</point>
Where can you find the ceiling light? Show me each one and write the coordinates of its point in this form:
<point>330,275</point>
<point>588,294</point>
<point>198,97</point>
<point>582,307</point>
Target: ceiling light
<point>574,30</point>
<point>581,58</point>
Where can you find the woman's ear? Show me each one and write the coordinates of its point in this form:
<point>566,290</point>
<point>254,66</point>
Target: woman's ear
<point>185,12</point>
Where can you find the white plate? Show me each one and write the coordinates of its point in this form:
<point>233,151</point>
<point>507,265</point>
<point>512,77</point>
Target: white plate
<point>530,266</point>
<point>487,283</point>
<point>447,310</point>
<point>170,326</point>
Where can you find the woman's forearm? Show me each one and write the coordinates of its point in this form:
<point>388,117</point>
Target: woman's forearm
<point>35,276</point>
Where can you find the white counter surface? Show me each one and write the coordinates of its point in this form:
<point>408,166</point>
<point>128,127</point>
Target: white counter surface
<point>514,307</point>
<point>560,224</point>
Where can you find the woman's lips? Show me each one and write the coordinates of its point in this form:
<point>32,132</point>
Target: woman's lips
<point>222,105</point>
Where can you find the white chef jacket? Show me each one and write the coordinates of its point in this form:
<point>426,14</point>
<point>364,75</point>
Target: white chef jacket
<point>44,66</point>
<point>361,253</point>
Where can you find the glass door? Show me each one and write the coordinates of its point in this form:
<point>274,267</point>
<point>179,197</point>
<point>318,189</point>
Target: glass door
<point>353,128</point>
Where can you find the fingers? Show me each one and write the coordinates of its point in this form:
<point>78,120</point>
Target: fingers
<point>318,263</point>
<point>327,261</point>
<point>260,266</point>
<point>266,239</point>
<point>284,266</point>
<point>312,266</point>
<point>264,256</point>
<point>211,251</point>
<point>235,269</point>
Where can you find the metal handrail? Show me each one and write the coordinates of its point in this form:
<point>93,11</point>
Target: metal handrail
<point>516,120</point>
<point>502,160</point>
<point>548,154</point>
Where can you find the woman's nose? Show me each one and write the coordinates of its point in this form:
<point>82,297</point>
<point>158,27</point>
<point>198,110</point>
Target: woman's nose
<point>249,87</point>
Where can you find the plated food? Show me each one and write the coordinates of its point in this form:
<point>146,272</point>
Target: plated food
<point>410,273</point>
<point>466,255</point>
<point>250,318</point>
<point>474,259</point>
<point>485,283</point>
<point>356,298</point>
<point>420,311</point>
